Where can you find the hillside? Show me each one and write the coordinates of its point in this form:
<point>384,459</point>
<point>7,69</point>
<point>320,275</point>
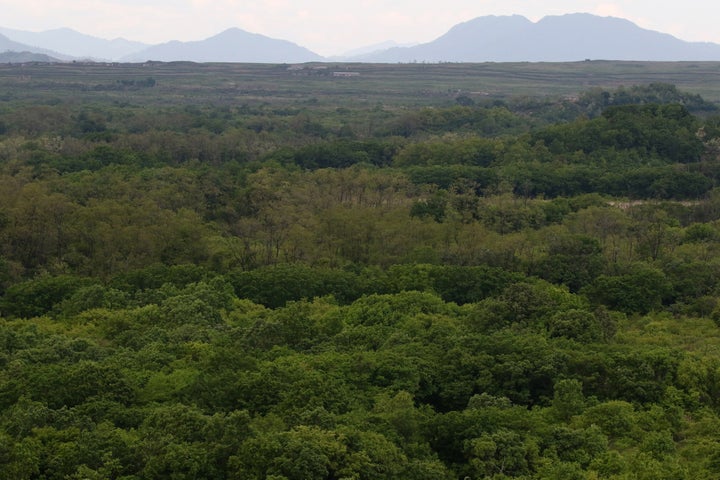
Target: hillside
<point>25,57</point>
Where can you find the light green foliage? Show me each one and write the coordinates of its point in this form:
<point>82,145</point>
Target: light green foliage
<point>701,377</point>
<point>164,386</point>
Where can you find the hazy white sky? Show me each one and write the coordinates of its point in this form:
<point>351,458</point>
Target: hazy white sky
<point>330,26</point>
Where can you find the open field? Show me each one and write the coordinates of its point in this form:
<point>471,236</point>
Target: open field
<point>418,84</point>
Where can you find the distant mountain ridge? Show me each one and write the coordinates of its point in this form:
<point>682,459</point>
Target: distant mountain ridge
<point>26,57</point>
<point>10,46</point>
<point>75,44</point>
<point>232,45</point>
<point>563,38</point>
<point>514,38</point>
<point>370,49</point>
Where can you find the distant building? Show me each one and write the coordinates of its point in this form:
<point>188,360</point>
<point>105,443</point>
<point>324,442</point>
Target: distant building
<point>346,74</point>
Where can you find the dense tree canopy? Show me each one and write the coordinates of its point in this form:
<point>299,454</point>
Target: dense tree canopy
<point>292,291</point>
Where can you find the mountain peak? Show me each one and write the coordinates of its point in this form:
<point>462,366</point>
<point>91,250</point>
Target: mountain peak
<point>232,31</point>
<point>580,19</point>
<point>231,45</point>
<point>496,19</point>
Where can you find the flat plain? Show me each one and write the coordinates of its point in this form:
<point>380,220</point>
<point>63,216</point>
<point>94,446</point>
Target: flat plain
<point>347,83</point>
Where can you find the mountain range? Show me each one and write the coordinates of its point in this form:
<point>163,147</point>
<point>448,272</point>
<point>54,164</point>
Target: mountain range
<point>562,38</point>
<point>66,43</point>
<point>514,38</point>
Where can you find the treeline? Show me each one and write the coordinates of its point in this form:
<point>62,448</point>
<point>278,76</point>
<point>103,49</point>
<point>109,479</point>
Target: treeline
<point>635,151</point>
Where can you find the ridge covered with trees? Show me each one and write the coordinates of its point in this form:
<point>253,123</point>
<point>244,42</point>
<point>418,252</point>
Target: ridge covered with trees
<point>481,288</point>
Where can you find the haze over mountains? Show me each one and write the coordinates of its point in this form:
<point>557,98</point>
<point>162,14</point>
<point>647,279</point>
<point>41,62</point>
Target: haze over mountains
<point>564,38</point>
<point>8,46</point>
<point>232,45</point>
<point>69,43</point>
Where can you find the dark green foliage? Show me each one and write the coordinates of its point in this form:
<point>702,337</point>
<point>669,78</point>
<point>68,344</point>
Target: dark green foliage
<point>488,121</point>
<point>73,385</point>
<point>155,276</point>
<point>528,303</point>
<point>342,154</point>
<point>579,325</point>
<point>38,296</point>
<point>433,208</point>
<point>665,132</point>
<point>444,176</point>
<point>274,286</point>
<point>640,290</point>
<point>92,296</point>
<point>450,150</point>
<point>145,83</point>
<point>568,399</point>
<point>469,284</point>
<point>656,93</point>
<point>573,260</point>
<point>503,451</point>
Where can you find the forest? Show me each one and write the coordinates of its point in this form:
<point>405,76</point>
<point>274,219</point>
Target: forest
<point>200,282</point>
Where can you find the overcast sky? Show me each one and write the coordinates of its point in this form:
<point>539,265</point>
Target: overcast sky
<point>330,26</point>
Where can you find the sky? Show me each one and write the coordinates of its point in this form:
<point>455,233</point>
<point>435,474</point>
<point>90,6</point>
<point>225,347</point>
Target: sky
<point>331,27</point>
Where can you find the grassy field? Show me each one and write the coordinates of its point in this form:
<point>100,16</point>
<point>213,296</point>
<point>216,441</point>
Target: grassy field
<point>406,84</point>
